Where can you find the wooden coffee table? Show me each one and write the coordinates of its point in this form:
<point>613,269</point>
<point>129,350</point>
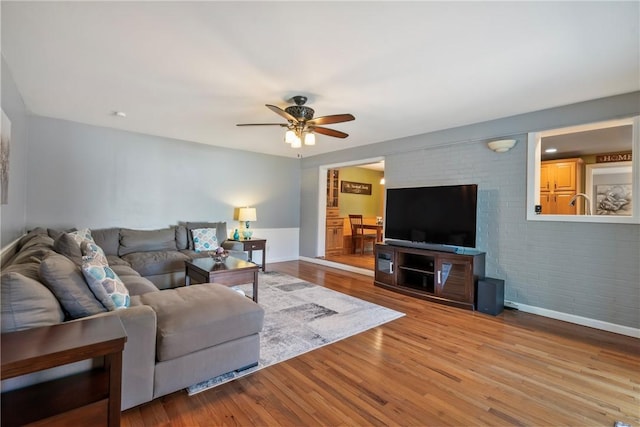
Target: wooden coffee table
<point>230,272</point>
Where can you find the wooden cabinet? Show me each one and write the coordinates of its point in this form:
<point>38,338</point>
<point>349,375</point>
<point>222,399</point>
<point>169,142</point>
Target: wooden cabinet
<point>560,181</point>
<point>442,277</point>
<point>334,240</point>
<point>333,188</point>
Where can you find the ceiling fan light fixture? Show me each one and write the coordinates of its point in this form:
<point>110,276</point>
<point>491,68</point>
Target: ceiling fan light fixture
<point>309,138</point>
<point>290,136</point>
<point>296,143</point>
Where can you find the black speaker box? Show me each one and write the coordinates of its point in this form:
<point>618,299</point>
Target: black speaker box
<point>490,296</point>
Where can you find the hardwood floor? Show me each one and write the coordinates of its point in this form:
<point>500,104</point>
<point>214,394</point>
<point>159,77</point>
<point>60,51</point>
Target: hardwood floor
<point>438,365</point>
<point>356,260</point>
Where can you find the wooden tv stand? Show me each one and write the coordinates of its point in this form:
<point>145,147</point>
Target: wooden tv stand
<point>442,277</point>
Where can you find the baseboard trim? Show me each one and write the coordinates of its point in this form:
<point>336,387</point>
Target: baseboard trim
<point>337,265</point>
<point>579,320</point>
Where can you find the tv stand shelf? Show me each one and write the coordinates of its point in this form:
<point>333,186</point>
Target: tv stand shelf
<point>441,277</point>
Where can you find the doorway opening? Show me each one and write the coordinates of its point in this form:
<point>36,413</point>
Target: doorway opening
<point>352,188</point>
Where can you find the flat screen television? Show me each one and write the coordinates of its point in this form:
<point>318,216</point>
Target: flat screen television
<point>432,216</point>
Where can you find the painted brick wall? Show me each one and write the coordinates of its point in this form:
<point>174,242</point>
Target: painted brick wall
<point>584,269</point>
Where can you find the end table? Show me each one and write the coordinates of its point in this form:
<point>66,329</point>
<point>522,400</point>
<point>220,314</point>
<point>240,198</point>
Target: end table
<point>255,244</point>
<point>87,398</point>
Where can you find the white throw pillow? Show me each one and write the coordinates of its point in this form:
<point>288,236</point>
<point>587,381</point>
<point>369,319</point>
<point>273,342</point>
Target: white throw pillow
<point>204,239</point>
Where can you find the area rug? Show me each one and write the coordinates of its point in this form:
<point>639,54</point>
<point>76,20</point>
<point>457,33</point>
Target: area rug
<point>301,317</point>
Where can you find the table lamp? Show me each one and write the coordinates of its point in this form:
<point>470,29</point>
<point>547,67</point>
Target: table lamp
<point>247,215</point>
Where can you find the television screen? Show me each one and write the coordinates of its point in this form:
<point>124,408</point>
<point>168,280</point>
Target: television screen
<point>444,215</point>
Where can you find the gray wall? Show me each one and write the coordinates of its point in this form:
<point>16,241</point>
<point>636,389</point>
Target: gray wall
<point>13,214</point>
<point>82,175</point>
<point>584,269</point>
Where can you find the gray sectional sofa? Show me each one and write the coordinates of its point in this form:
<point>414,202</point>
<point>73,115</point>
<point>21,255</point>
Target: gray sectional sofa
<point>176,336</point>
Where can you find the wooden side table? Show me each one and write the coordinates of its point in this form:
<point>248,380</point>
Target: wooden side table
<point>254,244</point>
<point>87,398</point>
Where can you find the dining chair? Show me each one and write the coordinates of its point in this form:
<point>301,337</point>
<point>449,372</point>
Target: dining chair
<point>358,235</point>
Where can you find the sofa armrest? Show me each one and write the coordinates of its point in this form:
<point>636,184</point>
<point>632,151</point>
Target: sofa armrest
<point>139,357</point>
<point>236,249</point>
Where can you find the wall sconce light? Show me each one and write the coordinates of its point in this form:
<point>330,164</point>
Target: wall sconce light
<point>247,215</point>
<point>382,181</point>
<point>502,145</point>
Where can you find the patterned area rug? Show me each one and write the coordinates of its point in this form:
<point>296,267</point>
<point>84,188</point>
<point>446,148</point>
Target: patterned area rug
<point>300,317</point>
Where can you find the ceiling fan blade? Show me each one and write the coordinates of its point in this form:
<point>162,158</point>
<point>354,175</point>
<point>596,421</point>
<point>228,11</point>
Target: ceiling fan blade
<point>329,132</point>
<point>282,113</point>
<point>263,124</point>
<point>335,118</point>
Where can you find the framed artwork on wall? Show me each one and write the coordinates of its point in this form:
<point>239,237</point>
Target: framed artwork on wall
<point>613,199</point>
<point>5,143</point>
<point>355,188</point>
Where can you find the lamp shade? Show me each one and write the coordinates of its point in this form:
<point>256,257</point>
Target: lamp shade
<point>309,139</point>
<point>289,136</point>
<point>247,214</point>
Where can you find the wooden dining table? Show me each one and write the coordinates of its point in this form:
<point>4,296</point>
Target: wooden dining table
<point>376,227</point>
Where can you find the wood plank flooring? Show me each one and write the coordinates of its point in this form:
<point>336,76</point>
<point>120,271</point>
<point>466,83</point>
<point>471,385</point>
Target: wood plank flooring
<point>356,260</point>
<point>436,366</point>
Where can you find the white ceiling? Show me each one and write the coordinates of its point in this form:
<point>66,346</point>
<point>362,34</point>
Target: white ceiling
<point>192,70</point>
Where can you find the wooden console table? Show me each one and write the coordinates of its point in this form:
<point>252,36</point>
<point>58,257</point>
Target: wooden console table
<point>87,398</point>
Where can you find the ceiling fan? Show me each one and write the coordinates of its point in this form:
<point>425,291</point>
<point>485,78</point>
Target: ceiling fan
<point>301,126</point>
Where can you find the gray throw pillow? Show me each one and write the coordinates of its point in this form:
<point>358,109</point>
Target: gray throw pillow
<point>182,242</point>
<point>66,281</point>
<point>27,304</point>
<point>69,247</point>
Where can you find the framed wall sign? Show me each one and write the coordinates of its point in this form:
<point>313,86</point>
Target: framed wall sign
<point>355,187</point>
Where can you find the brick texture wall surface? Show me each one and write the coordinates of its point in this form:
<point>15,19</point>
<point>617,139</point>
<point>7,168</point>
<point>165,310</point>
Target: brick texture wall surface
<point>583,269</point>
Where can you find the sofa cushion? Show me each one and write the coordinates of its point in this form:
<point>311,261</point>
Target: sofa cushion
<point>27,304</point>
<point>116,260</point>
<point>152,263</point>
<point>221,230</point>
<point>108,239</point>
<point>182,242</point>
<point>39,231</point>
<point>65,244</point>
<point>65,280</point>
<point>200,316</point>
<point>204,239</point>
<point>147,240</point>
<point>103,281</point>
<point>124,270</point>
<point>54,232</point>
<point>138,285</point>
<point>29,269</point>
<point>32,253</point>
<point>36,241</point>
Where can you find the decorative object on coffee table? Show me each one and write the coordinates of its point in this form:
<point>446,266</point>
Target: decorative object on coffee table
<point>219,255</point>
